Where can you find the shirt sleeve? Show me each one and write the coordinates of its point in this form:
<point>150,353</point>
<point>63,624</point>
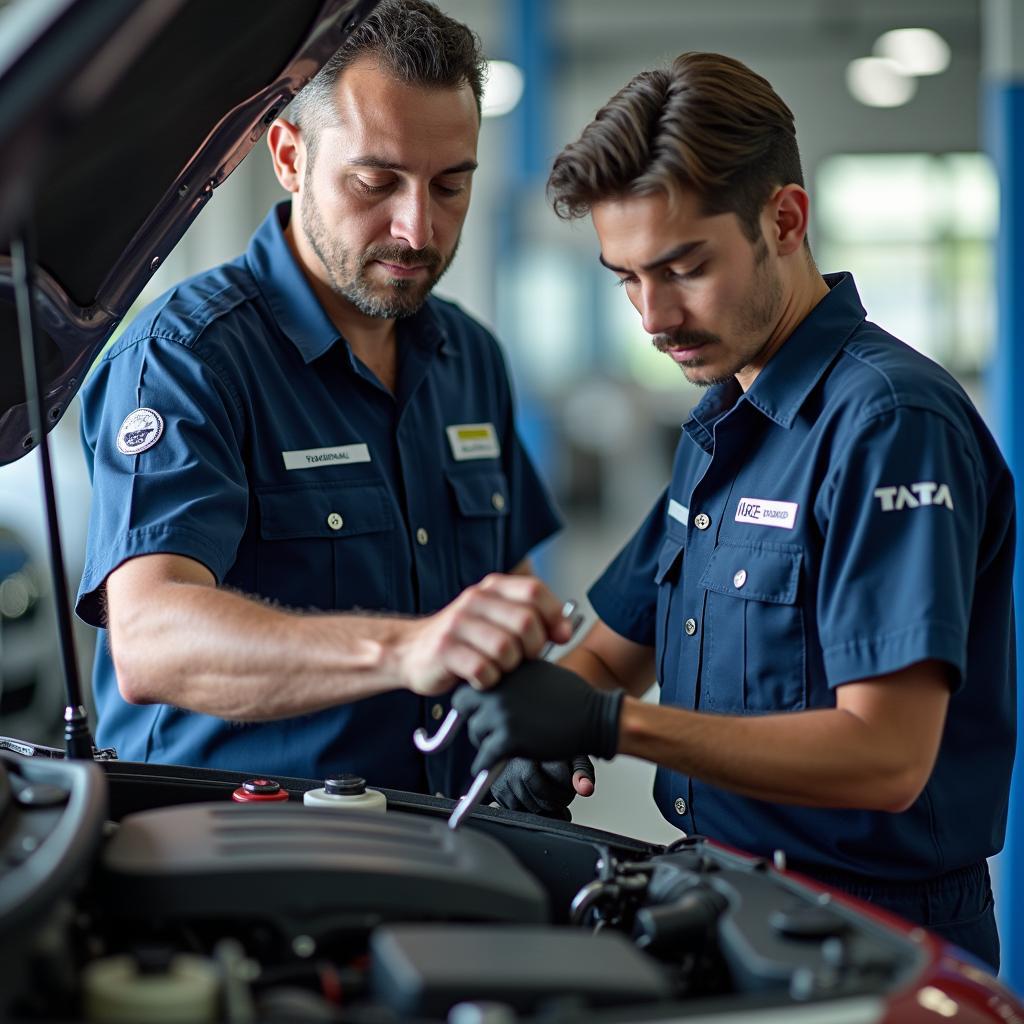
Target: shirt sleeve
<point>184,494</point>
<point>625,596</point>
<point>902,515</point>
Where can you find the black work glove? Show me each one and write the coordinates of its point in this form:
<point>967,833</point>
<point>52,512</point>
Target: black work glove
<point>542,712</point>
<point>540,787</point>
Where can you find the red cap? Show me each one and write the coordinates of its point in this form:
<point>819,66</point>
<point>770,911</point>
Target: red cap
<point>259,791</point>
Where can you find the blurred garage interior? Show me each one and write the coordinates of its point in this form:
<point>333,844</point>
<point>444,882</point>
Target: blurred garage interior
<point>904,171</point>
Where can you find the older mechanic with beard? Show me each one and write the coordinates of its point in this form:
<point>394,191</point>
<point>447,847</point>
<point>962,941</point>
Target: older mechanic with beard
<point>823,590</point>
<point>305,428</point>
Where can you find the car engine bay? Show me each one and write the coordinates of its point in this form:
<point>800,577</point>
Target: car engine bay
<point>146,893</point>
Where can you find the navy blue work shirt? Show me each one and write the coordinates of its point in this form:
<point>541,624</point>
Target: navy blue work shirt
<point>231,423</point>
<point>846,517</point>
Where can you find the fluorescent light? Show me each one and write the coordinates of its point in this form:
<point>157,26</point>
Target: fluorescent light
<point>504,88</point>
<point>879,82</point>
<point>918,51</point>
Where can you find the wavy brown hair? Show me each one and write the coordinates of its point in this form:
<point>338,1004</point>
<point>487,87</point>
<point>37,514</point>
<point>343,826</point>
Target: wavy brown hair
<point>706,124</point>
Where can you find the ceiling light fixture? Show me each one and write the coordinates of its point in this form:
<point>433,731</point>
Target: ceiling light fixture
<point>504,88</point>
<point>879,82</point>
<point>918,51</point>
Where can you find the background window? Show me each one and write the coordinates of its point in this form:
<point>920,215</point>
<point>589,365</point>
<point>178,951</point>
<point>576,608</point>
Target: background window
<point>917,232</point>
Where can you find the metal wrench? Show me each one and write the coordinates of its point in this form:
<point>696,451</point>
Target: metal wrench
<point>486,777</point>
<point>450,726</point>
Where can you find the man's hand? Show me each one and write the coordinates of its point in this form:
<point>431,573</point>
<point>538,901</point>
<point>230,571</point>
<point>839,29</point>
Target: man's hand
<point>484,633</point>
<point>542,787</point>
<point>542,712</point>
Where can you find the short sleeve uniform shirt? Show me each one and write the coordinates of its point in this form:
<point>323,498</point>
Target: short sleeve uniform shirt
<point>848,516</point>
<point>230,423</point>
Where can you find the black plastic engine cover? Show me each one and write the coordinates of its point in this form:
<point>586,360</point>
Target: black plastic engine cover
<point>308,869</point>
<point>424,969</point>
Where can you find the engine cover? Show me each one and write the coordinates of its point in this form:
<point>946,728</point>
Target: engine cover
<point>307,869</point>
<point>422,970</point>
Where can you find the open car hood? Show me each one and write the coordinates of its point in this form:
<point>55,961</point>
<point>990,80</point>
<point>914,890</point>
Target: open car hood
<point>120,118</point>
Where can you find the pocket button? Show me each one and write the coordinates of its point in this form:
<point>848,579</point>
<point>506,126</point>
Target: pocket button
<point>739,579</point>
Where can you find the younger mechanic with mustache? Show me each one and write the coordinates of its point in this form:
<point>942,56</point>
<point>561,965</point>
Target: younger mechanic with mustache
<point>306,428</point>
<point>823,591</point>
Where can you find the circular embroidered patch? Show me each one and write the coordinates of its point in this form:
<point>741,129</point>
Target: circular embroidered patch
<point>141,430</point>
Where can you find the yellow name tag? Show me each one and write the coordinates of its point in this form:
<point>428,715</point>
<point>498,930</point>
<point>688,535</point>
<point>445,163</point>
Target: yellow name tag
<point>473,441</point>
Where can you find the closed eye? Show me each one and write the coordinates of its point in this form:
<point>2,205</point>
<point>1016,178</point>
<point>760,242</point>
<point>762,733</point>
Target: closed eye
<point>369,188</point>
<point>685,275</point>
<point>670,275</point>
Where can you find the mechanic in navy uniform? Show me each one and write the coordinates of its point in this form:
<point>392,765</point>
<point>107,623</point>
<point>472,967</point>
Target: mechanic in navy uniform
<point>305,428</point>
<point>823,591</point>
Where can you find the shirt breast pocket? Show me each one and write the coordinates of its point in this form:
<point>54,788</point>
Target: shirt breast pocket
<point>754,645</point>
<point>666,638</point>
<point>481,506</point>
<point>328,546</point>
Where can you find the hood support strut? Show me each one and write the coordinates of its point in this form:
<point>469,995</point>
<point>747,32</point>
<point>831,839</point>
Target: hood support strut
<point>77,737</point>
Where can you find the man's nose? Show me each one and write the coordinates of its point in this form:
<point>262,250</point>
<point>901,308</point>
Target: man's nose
<point>660,310</point>
<point>412,221</point>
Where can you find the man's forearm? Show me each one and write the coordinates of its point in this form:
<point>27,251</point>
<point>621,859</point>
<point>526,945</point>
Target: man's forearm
<point>824,758</point>
<point>589,666</point>
<point>217,652</point>
<point>609,661</point>
<point>178,639</point>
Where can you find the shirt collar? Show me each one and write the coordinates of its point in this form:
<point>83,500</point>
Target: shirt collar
<point>781,388</point>
<point>291,298</point>
<point>294,303</point>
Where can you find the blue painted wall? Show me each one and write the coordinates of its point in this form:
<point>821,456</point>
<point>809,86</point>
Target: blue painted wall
<point>1005,135</point>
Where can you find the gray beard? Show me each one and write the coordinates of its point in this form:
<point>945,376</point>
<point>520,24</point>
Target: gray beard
<point>349,275</point>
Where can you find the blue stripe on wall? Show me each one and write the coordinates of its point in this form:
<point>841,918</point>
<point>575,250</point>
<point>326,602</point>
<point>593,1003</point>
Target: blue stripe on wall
<point>529,44</point>
<point>1004,124</point>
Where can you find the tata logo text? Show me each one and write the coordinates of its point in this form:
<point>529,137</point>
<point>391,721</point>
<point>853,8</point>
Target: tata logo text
<point>927,492</point>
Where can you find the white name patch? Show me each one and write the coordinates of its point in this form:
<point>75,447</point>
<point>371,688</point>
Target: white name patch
<point>141,430</point>
<point>678,512</point>
<point>762,512</point>
<point>473,441</point>
<point>315,458</point>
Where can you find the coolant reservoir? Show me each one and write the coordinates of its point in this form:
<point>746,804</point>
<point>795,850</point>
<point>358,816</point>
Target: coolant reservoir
<point>183,989</point>
<point>346,793</point>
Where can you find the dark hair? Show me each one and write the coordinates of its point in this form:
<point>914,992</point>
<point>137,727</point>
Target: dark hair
<point>415,43</point>
<point>707,124</point>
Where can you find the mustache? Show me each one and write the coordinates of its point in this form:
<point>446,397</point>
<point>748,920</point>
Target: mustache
<point>682,339</point>
<point>402,256</point>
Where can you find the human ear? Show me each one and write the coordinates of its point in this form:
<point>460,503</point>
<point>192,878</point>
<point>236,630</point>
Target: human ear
<point>288,153</point>
<point>788,211</point>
